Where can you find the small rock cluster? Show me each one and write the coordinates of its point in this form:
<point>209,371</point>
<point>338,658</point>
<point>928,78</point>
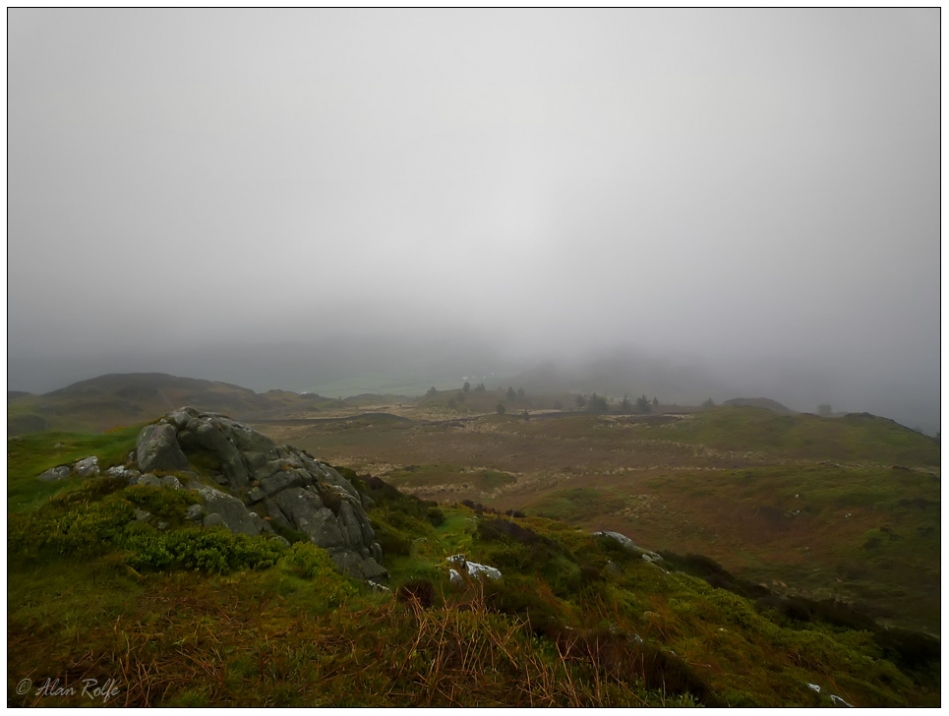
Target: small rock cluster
<point>87,467</point>
<point>629,545</point>
<point>284,486</point>
<point>474,569</point>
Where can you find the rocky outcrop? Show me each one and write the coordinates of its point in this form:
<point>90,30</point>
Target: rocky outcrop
<point>263,486</point>
<point>157,449</point>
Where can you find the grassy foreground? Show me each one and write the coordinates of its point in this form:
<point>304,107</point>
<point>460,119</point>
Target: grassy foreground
<point>104,609</point>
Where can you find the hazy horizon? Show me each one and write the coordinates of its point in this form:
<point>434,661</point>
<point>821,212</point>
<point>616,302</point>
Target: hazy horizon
<point>747,199</point>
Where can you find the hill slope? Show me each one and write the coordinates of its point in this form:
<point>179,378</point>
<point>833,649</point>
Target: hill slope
<point>116,400</point>
<point>166,613</point>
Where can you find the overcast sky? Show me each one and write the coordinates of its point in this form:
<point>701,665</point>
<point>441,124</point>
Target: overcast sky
<point>758,189</point>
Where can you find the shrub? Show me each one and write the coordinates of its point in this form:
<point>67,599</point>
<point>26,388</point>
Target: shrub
<point>390,540</point>
<point>435,516</point>
<point>306,560</point>
<point>206,550</point>
<point>417,590</point>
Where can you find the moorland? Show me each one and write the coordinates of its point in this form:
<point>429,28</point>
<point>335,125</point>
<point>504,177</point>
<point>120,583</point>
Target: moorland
<point>797,551</point>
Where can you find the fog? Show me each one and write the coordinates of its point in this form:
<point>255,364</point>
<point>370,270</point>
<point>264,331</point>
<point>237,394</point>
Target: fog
<point>748,199</point>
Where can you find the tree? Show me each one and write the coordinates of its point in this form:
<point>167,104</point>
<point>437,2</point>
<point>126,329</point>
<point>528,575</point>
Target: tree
<point>558,405</point>
<point>625,405</point>
<point>581,401</point>
<point>708,404</point>
<point>501,409</point>
<point>511,395</point>
<point>824,410</point>
<point>643,405</point>
<point>597,404</point>
<point>655,402</point>
<point>431,392</point>
<point>479,388</point>
<point>466,387</point>
<point>521,394</point>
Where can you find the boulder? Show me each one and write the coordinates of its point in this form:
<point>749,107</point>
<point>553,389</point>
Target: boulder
<point>87,467</point>
<point>629,545</point>
<point>157,449</point>
<point>232,513</point>
<point>56,473</point>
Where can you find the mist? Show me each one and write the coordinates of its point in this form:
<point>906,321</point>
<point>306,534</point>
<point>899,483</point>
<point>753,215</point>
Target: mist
<point>715,203</point>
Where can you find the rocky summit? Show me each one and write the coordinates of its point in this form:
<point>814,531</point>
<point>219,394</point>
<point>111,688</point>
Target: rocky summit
<point>259,486</point>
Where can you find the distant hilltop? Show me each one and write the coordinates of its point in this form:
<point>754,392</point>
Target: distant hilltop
<point>125,398</point>
<point>765,403</point>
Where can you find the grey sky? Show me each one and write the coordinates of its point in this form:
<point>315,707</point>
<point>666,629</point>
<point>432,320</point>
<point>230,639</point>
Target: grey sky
<point>757,189</point>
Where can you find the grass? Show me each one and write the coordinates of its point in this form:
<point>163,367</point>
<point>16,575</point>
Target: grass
<point>191,617</point>
<point>579,623</point>
<point>30,455</point>
<point>854,438</point>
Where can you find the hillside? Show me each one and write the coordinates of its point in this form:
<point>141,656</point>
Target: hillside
<point>111,581</point>
<point>827,507</point>
<point>116,400</point>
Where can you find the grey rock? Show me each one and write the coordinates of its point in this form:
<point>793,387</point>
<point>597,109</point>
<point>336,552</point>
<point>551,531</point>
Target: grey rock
<point>162,525</point>
<point>214,520</point>
<point>285,542</point>
<point>306,513</point>
<point>357,566</point>
<point>276,514</point>
<point>233,513</point>
<point>378,587</point>
<point>118,471</point>
<point>621,538</point>
<point>291,490</point>
<point>261,524</point>
<point>147,479</point>
<point>55,473</point>
<point>87,467</point>
<point>142,515</point>
<point>455,577</point>
<point>631,546</point>
<point>157,449</point>
<point>255,461</point>
<point>280,481</point>
<point>476,570</point>
<point>171,481</point>
<point>209,436</point>
<point>194,513</point>
<point>181,417</point>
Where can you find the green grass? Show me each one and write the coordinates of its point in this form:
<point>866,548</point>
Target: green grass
<point>854,438</point>
<point>30,455</point>
<point>186,616</point>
